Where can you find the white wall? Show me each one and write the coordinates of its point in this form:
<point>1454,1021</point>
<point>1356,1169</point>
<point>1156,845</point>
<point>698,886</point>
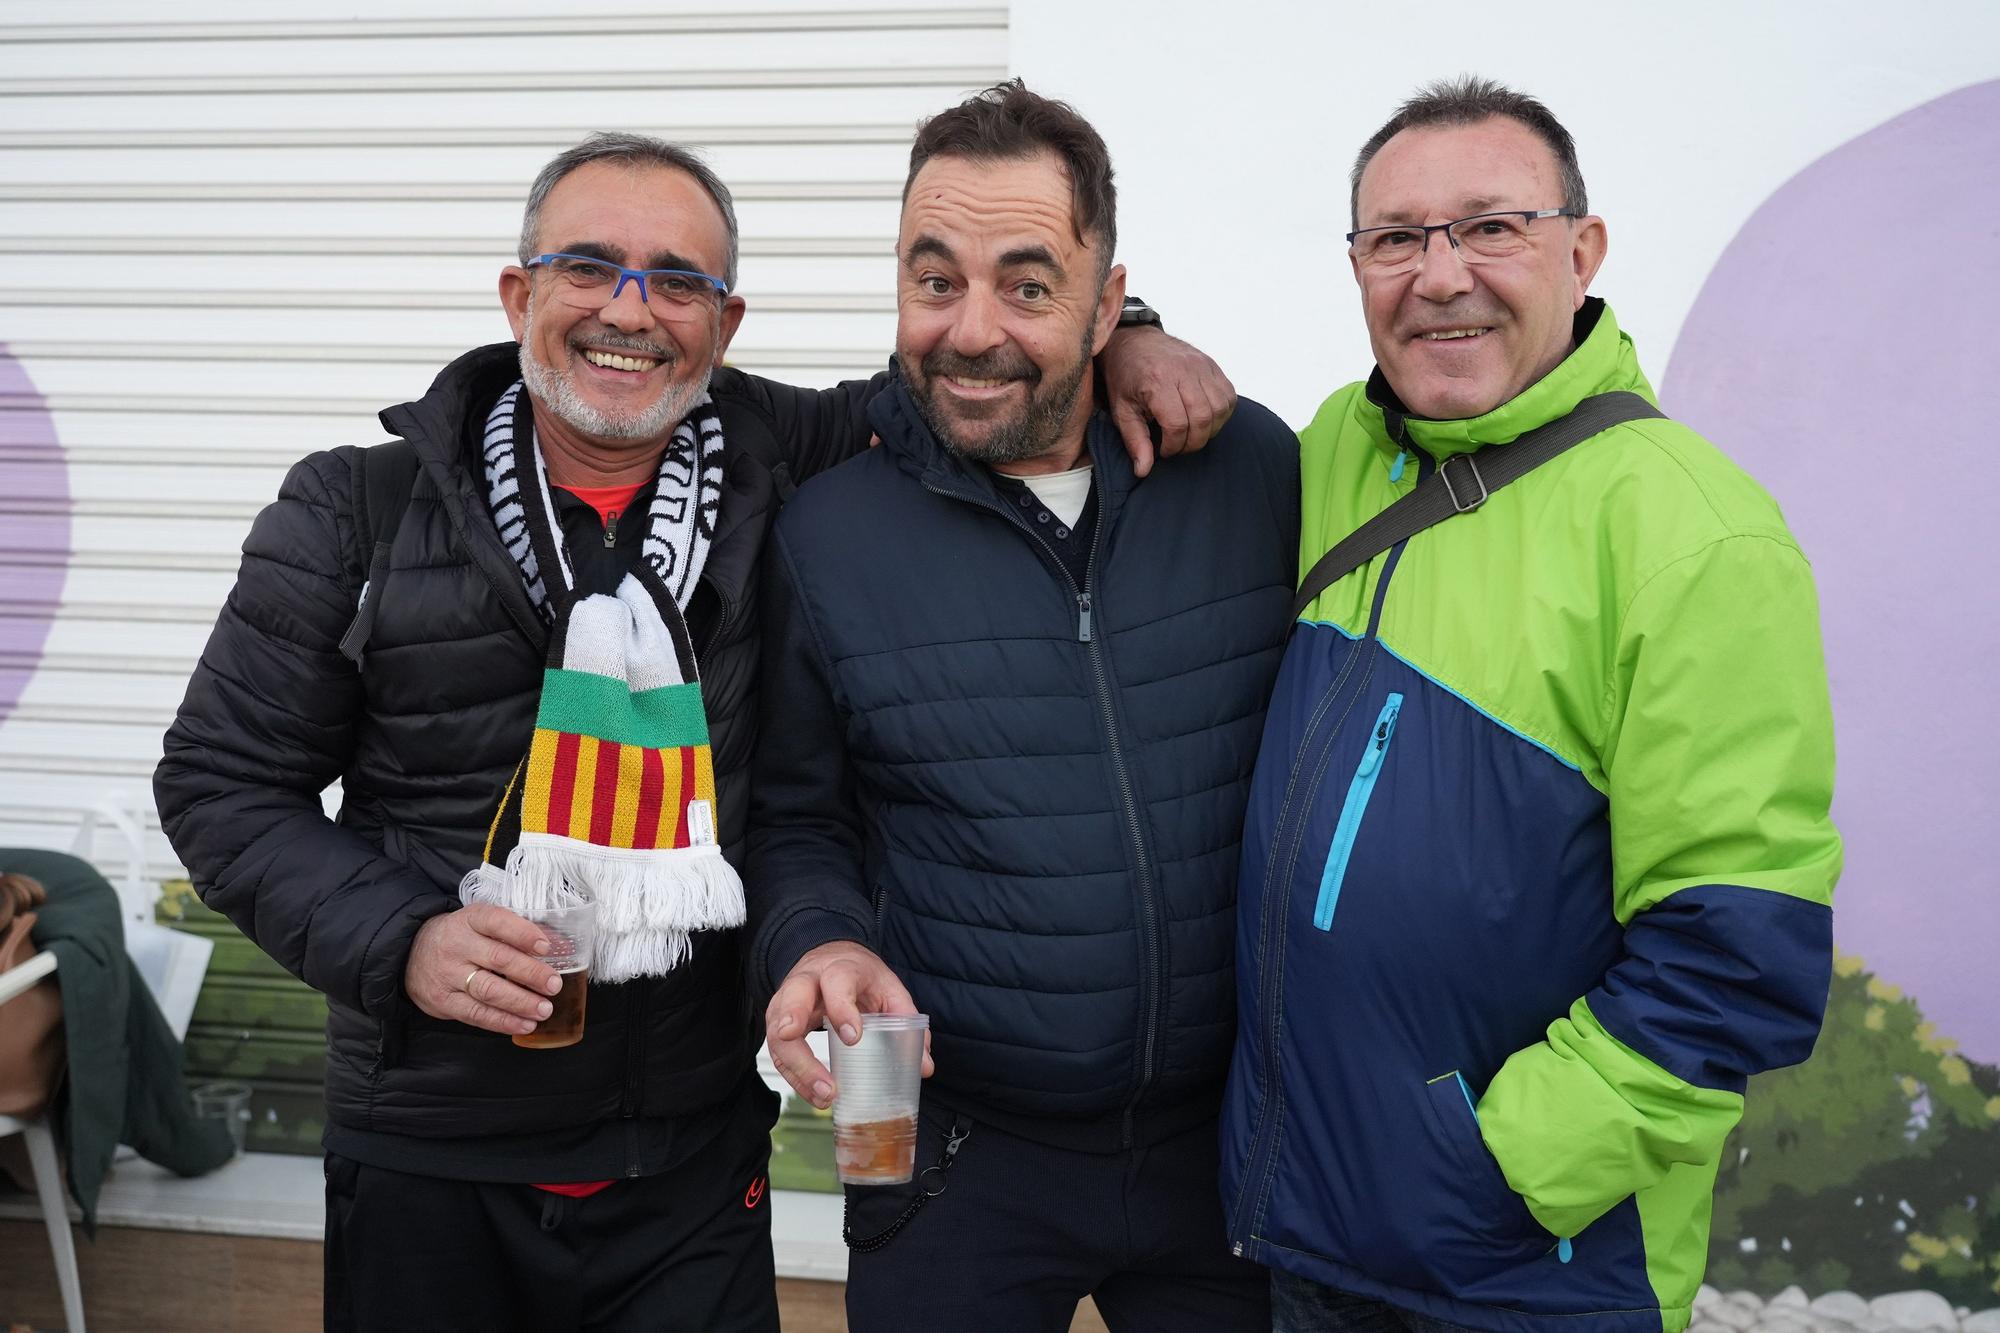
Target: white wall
<point>1232,126</point>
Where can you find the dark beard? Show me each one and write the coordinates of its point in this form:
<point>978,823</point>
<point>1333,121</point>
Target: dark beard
<point>1014,440</point>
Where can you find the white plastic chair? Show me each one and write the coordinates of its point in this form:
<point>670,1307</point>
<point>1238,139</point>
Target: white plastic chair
<point>171,961</point>
<point>42,1160</point>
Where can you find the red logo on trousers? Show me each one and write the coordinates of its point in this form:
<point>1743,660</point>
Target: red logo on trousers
<point>755,1194</point>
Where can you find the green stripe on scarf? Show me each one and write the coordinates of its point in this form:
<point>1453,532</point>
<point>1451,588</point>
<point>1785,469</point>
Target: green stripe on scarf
<point>593,705</point>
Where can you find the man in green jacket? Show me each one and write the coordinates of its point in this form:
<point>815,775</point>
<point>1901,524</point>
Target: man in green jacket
<point>1538,867</point>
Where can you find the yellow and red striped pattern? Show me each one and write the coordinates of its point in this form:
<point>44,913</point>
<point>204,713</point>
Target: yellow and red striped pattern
<point>613,795</point>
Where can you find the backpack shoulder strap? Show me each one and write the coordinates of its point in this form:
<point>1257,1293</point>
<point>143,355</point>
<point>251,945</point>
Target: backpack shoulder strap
<point>384,476</point>
<point>1464,483</point>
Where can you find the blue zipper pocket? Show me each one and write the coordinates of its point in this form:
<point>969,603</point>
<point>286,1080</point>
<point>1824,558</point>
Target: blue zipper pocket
<point>1565,1249</point>
<point>1353,809</point>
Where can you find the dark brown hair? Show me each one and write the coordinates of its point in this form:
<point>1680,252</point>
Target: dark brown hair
<point>1467,100</point>
<point>1007,122</point>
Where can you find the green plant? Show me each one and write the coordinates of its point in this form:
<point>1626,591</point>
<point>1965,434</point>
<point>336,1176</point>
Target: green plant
<point>1875,1161</point>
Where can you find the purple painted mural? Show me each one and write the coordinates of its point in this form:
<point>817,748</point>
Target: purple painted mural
<point>34,528</point>
<point>1839,351</point>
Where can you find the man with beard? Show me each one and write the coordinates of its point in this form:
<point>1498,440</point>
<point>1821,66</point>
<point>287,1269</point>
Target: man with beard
<point>592,500</point>
<point>1011,710</point>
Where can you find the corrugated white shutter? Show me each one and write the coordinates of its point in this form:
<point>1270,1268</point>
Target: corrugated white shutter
<point>229,239</point>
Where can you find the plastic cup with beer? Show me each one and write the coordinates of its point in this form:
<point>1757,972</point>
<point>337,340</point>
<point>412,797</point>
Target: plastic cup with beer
<point>571,933</point>
<point>875,1099</point>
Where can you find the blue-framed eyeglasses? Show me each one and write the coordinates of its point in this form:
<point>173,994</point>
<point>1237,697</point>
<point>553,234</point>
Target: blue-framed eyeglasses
<point>601,282</point>
<point>1477,239</point>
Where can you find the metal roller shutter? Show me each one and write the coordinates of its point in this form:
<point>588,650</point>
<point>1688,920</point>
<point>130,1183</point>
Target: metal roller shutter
<point>228,239</point>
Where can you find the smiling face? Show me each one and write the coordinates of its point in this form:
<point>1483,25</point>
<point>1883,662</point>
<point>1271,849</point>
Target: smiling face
<point>621,374</point>
<point>1457,340</point>
<point>1000,308</point>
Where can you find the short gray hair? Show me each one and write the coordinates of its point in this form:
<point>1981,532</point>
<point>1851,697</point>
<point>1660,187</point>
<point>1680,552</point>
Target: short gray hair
<point>634,150</point>
<point>1467,100</point>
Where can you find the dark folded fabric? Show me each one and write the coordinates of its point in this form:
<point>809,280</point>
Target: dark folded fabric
<point>124,1081</point>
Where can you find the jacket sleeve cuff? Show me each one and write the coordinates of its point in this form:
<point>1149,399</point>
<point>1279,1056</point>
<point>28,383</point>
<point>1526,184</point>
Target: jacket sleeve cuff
<point>804,930</point>
<point>388,954</point>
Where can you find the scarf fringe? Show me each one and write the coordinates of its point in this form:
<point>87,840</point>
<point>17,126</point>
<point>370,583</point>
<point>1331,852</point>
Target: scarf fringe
<point>648,953</point>
<point>648,901</point>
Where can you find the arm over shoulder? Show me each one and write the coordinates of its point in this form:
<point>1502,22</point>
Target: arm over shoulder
<point>814,428</point>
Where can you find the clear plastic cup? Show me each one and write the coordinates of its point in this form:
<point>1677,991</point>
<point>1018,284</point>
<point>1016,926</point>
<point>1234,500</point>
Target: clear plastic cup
<point>572,937</point>
<point>229,1103</point>
<point>875,1100</point>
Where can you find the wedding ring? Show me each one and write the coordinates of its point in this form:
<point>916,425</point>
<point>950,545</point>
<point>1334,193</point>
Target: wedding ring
<point>467,987</point>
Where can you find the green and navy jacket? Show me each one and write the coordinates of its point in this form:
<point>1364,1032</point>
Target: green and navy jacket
<point>1537,868</point>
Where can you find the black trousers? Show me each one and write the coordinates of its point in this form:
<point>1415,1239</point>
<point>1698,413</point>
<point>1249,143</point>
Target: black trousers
<point>1023,1232</point>
<point>689,1249</point>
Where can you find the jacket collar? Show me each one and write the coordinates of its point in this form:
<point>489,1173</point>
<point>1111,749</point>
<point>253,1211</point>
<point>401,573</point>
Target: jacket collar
<point>1603,360</point>
<point>442,426</point>
<point>909,440</point>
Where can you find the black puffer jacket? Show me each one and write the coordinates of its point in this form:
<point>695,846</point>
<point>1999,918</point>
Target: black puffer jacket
<point>1027,795</point>
<point>424,737</point>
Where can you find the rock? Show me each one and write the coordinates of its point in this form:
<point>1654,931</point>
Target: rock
<point>1818,1323</point>
<point>1914,1310</point>
<point>1705,1296</point>
<point>1842,1305</point>
<point>1748,1300</point>
<point>1795,1296</point>
<point>1731,1315</point>
<point>1790,1314</point>
<point>1704,1326</point>
<point>1986,1321</point>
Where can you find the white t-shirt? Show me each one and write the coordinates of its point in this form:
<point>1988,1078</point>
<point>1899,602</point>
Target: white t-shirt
<point>1065,493</point>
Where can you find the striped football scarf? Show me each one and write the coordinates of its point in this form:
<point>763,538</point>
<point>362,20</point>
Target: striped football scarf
<point>616,797</point>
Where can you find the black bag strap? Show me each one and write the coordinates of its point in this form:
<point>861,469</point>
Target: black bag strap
<point>384,476</point>
<point>1463,483</point>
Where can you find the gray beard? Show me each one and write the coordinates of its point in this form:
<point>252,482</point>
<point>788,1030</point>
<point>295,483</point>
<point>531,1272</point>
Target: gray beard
<point>1031,435</point>
<point>555,390</point>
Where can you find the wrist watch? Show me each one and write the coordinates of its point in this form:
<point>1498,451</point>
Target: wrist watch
<point>1137,314</point>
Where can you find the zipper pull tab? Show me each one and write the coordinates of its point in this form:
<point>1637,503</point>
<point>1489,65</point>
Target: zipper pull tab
<point>1083,617</point>
<point>611,529</point>
<point>1396,469</point>
<point>1378,744</point>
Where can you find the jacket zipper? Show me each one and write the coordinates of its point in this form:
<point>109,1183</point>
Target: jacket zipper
<point>1151,987</point>
<point>722,610</point>
<point>1262,1160</point>
<point>635,1055</point>
<point>1352,810</point>
<point>1314,749</point>
<point>611,529</point>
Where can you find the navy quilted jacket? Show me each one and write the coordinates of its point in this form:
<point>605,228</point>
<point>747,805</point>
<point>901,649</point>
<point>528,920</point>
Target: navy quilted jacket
<point>1027,795</point>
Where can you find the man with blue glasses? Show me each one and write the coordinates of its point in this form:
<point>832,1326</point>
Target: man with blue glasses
<point>390,628</point>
